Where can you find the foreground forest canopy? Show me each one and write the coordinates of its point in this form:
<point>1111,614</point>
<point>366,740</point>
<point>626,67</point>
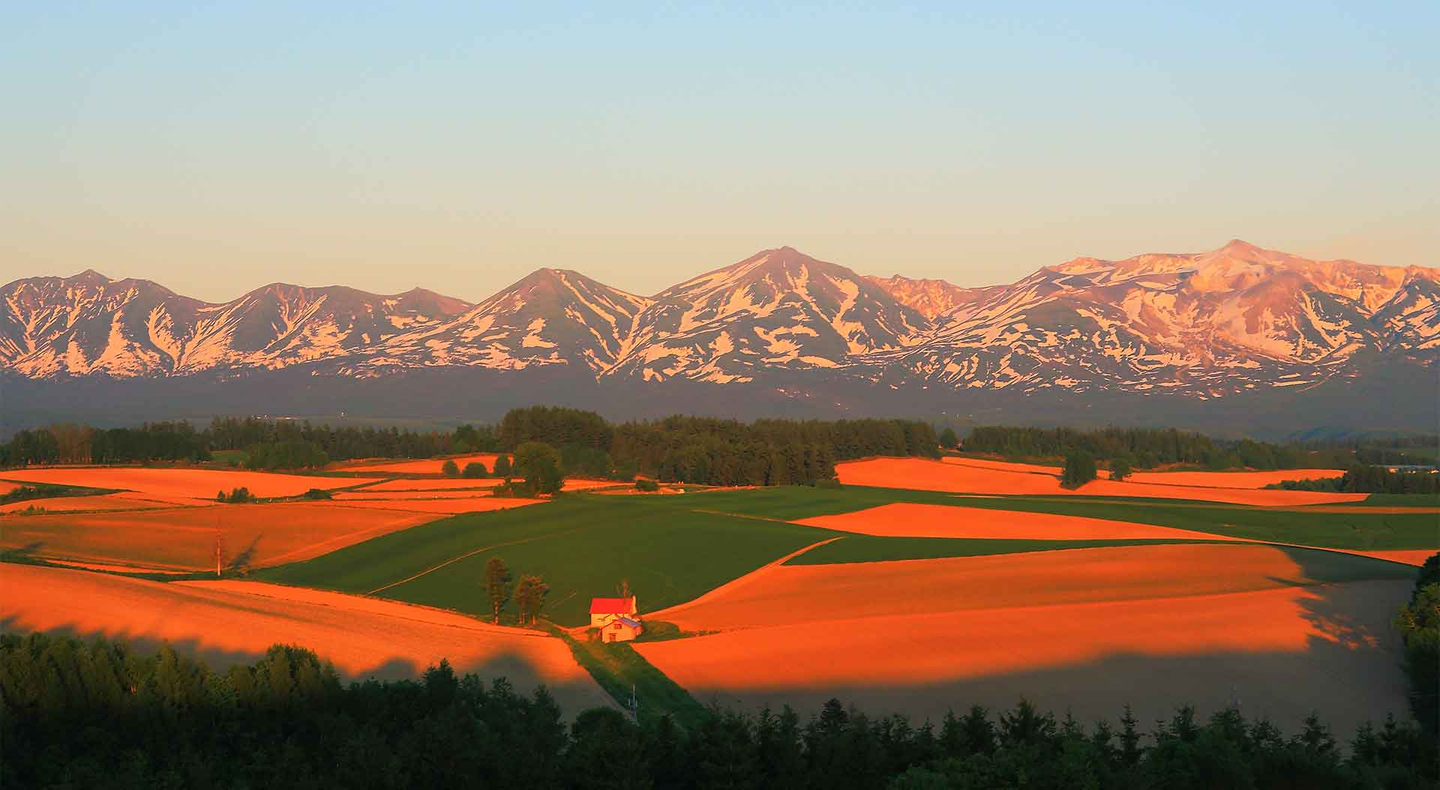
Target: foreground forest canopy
<point>100,714</point>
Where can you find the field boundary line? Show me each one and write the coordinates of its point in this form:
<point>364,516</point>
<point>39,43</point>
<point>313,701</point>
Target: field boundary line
<point>740,581</point>
<point>480,550</point>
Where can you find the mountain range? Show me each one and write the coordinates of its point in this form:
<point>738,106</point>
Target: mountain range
<point>780,326</point>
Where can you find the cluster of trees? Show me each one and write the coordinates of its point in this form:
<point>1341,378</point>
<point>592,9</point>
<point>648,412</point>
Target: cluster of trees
<point>1146,448</point>
<point>1419,626</point>
<point>238,496</point>
<point>528,593</point>
<point>80,444</point>
<point>712,451</point>
<point>1079,469</point>
<point>101,715</point>
<point>349,441</point>
<point>1369,480</point>
<point>289,454</point>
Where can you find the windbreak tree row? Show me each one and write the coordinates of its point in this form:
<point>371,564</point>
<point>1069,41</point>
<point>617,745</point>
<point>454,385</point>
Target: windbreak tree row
<point>1147,448</point>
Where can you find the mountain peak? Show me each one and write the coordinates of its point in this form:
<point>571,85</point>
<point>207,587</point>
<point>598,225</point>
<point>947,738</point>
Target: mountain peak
<point>91,275</point>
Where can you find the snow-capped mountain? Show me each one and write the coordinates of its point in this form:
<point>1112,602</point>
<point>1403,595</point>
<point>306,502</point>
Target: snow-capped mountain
<point>933,298</point>
<point>778,309</point>
<point>1201,325</point>
<point>1206,324</point>
<point>89,324</point>
<point>551,317</point>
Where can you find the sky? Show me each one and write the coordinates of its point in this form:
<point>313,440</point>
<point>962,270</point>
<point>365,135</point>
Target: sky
<point>216,147</point>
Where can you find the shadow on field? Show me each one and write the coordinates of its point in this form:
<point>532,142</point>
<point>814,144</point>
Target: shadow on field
<point>1348,671</point>
<point>241,562</point>
<point>573,697</point>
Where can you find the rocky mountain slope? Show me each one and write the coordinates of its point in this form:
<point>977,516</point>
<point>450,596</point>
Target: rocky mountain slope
<point>1201,326</point>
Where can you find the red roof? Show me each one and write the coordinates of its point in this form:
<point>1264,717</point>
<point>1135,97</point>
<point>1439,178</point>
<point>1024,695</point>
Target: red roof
<point>612,605</point>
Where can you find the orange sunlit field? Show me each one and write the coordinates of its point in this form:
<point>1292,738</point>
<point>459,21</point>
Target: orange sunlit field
<point>180,482</point>
<point>1155,625</point>
<point>184,538</point>
<point>444,484</point>
<point>909,520</point>
<point>1199,479</point>
<point>424,466</point>
<point>233,622</point>
<point>961,476</point>
<point>84,503</point>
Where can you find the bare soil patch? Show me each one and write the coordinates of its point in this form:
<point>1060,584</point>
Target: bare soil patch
<point>789,594</point>
<point>83,503</point>
<point>963,476</point>
<point>908,520</point>
<point>1279,653</point>
<point>442,484</point>
<point>186,483</point>
<point>225,623</point>
<point>424,466</point>
<point>184,538</point>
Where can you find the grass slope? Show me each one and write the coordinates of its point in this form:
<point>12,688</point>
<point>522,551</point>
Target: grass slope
<point>1360,530</point>
<point>582,546</point>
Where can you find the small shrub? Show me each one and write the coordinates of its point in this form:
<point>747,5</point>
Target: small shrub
<point>646,484</point>
<point>318,493</point>
<point>502,466</point>
<point>827,482</point>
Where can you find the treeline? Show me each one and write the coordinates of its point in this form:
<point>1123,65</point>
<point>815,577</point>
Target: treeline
<point>81,444</point>
<point>713,451</point>
<point>1419,625</point>
<point>1368,480</point>
<point>1147,448</point>
<point>267,444</point>
<point>101,715</point>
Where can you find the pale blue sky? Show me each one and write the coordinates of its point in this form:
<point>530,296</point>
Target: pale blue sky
<point>217,147</point>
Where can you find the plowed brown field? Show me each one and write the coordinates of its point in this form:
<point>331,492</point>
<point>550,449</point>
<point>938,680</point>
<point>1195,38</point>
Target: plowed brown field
<point>425,466</point>
<point>790,594</point>
<point>192,483</point>
<point>1279,653</point>
<point>184,538</point>
<point>226,623</point>
<point>444,484</point>
<point>83,503</point>
<point>1200,479</point>
<point>960,476</point>
<point>907,520</point>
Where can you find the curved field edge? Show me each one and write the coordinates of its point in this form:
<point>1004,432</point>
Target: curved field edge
<point>583,546</point>
<point>1321,565</point>
<point>1341,530</point>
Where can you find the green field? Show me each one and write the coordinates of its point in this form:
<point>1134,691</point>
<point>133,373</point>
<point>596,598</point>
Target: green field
<point>673,548</point>
<point>582,546</point>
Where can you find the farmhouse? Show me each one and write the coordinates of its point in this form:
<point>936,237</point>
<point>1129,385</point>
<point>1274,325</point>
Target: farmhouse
<point>616,618</point>
<point>603,610</point>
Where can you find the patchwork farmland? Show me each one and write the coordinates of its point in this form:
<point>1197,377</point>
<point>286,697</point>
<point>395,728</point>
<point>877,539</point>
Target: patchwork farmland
<point>916,587</point>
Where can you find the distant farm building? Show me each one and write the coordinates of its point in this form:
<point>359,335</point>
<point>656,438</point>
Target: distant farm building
<point>617,619</point>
